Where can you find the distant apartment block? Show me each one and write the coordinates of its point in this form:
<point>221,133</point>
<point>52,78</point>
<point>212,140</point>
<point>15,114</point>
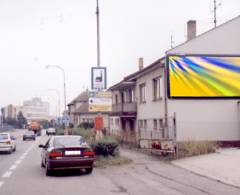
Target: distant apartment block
<point>11,111</point>
<point>36,109</point>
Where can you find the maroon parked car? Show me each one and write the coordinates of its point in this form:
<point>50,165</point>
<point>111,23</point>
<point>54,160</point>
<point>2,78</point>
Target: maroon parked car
<point>67,152</point>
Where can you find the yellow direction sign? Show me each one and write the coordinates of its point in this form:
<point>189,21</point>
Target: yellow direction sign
<point>100,101</point>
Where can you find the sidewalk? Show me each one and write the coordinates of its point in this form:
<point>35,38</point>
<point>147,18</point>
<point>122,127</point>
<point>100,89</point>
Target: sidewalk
<point>223,165</point>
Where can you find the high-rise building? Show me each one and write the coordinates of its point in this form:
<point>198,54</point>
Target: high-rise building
<point>36,109</point>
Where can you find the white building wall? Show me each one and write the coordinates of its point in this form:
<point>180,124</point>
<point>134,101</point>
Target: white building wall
<point>151,109</point>
<point>36,109</point>
<point>211,119</point>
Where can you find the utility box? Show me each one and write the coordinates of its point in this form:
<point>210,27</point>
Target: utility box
<point>98,123</point>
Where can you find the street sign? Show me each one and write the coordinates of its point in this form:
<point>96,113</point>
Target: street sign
<point>65,119</point>
<point>100,101</point>
<point>99,78</point>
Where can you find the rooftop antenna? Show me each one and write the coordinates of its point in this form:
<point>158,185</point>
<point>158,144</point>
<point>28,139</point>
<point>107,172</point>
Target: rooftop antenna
<point>216,5</point>
<point>172,42</point>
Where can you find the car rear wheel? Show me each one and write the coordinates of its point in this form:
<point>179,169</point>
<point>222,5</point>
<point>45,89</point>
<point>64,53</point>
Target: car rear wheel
<point>88,170</point>
<point>10,151</point>
<point>42,165</point>
<point>48,171</point>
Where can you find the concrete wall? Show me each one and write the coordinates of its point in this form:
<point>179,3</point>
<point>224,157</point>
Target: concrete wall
<point>211,119</point>
<point>151,109</point>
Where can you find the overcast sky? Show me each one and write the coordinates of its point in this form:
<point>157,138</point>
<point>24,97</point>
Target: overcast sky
<point>35,33</point>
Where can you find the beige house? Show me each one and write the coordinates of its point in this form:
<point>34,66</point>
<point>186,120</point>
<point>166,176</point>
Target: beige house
<point>78,110</point>
<point>138,103</point>
<point>156,115</point>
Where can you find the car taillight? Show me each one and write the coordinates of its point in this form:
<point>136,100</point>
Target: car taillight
<point>88,153</point>
<point>55,153</point>
<point>8,142</point>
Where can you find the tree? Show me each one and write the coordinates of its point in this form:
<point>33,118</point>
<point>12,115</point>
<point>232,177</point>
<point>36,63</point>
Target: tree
<point>22,121</point>
<point>11,121</point>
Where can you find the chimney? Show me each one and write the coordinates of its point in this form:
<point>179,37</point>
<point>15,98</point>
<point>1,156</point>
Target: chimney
<point>191,29</point>
<point>140,63</point>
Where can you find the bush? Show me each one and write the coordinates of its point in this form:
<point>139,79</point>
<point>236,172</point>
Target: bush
<point>105,147</point>
<point>88,134</point>
<point>193,148</point>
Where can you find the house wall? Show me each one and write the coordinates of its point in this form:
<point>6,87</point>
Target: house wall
<point>151,109</point>
<point>209,119</point>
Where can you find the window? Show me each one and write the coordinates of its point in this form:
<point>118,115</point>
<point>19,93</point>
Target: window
<point>130,95</point>
<point>122,97</point>
<point>117,121</point>
<point>140,124</point>
<point>157,88</point>
<point>161,125</point>
<point>142,90</point>
<point>116,99</point>
<point>145,124</point>
<point>111,121</point>
<point>154,124</point>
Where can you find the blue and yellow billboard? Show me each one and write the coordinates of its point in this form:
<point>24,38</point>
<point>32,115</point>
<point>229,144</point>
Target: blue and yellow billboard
<point>203,76</point>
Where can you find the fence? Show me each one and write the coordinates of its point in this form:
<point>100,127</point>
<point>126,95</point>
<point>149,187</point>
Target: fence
<point>168,131</point>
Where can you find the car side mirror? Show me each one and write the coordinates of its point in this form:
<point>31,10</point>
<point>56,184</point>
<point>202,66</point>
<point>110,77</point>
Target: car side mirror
<point>13,138</point>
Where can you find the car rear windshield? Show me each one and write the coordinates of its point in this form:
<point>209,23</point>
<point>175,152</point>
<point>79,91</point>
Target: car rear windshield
<point>3,136</point>
<point>68,141</point>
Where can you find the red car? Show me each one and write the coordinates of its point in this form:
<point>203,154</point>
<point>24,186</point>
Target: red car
<point>67,152</point>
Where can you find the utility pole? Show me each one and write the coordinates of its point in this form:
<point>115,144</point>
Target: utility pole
<point>98,36</point>
<point>64,83</point>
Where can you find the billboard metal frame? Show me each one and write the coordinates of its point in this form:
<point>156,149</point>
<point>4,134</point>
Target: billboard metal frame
<point>196,97</point>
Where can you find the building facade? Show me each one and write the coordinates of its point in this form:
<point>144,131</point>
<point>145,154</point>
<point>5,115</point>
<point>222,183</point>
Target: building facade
<point>11,111</point>
<point>159,116</point>
<point>36,110</point>
<point>124,108</point>
<point>209,119</point>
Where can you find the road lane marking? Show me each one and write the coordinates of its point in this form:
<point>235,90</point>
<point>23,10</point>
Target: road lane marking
<point>1,183</point>
<point>13,167</point>
<point>22,157</point>
<point>18,161</point>
<point>7,174</point>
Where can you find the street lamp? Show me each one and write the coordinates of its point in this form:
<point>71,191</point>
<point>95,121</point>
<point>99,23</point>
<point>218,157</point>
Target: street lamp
<point>64,81</point>
<point>58,94</point>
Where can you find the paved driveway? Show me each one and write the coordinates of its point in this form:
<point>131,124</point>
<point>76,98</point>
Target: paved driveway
<point>223,165</point>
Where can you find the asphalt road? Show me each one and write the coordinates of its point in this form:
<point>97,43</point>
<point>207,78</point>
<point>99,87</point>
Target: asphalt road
<point>21,174</point>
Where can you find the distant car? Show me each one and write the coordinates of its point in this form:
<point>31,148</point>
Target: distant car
<point>51,131</point>
<point>29,135</point>
<point>7,143</point>
<point>67,152</point>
